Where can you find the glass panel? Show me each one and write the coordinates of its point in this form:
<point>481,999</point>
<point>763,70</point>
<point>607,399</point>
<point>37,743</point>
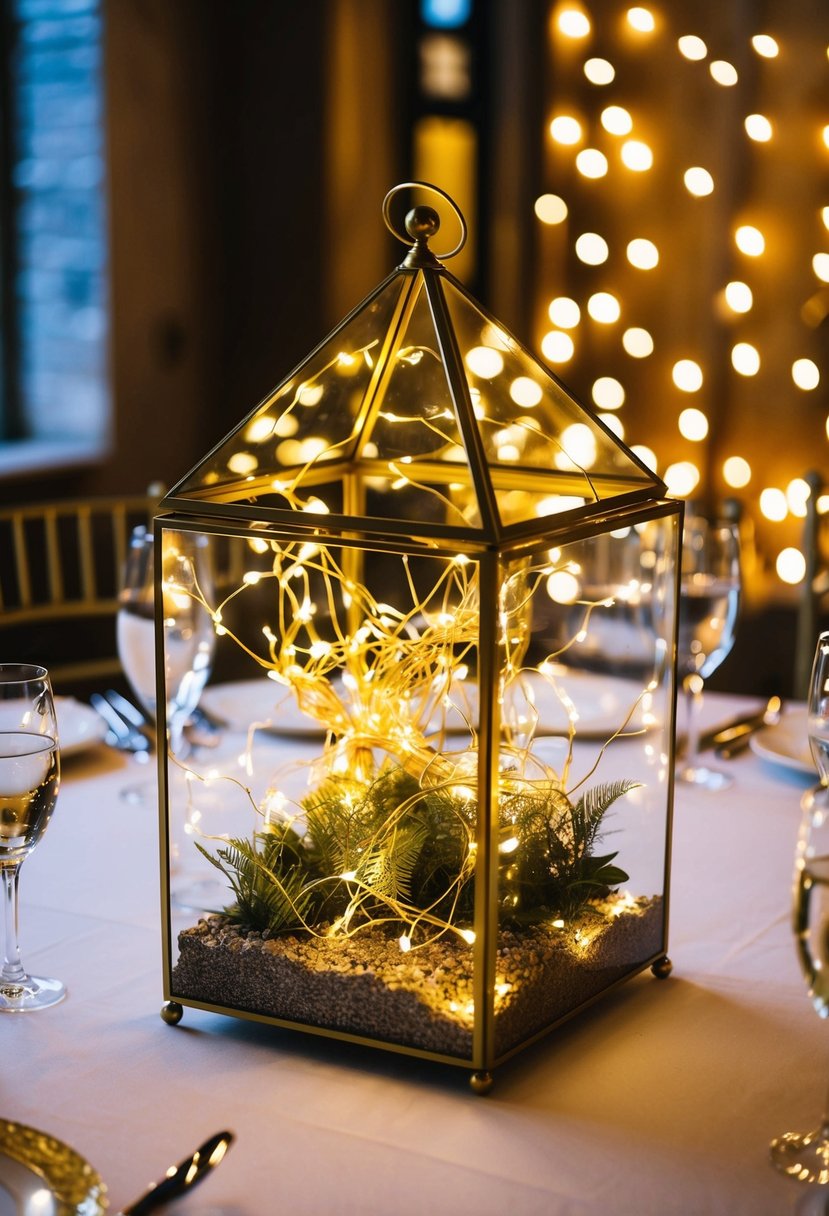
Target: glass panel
<point>342,806</point>
<point>308,421</point>
<point>414,435</point>
<point>533,432</point>
<point>584,806</point>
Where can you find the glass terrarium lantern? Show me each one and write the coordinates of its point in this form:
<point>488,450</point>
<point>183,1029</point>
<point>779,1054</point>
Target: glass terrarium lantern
<point>453,611</point>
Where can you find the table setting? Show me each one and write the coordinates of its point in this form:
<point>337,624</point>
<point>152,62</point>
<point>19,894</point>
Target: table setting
<point>681,1087</point>
<point>424,904</point>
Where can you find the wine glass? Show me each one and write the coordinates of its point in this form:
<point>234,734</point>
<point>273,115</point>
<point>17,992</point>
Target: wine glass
<point>805,1156</point>
<point>29,780</point>
<point>189,640</point>
<point>709,604</point>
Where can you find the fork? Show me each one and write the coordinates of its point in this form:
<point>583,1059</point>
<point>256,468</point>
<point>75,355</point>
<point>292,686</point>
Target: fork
<point>121,733</point>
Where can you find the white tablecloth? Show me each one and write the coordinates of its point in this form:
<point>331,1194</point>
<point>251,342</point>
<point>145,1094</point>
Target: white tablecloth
<point>661,1098</point>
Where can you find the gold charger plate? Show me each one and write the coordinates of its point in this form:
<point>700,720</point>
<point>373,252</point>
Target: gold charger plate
<point>78,1188</point>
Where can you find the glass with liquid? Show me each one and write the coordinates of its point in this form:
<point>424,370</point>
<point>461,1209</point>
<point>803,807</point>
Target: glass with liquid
<point>29,780</point>
<point>709,606</point>
<point>805,1156</point>
<point>188,637</point>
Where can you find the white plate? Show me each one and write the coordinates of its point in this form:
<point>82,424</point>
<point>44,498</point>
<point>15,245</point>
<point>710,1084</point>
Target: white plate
<point>602,705</point>
<point>787,743</point>
<point>79,726</point>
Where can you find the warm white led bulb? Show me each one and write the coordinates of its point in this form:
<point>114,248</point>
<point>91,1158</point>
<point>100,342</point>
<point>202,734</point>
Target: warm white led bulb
<point>750,240</point>
<point>687,375</point>
<point>805,374</point>
<point>692,47</point>
<point>604,307</point>
<point>573,23</point>
<point>820,265</point>
<point>564,312</point>
<point>681,478</point>
<point>599,71</point>
<point>790,566</point>
<point>637,342</point>
<point>616,120</point>
<point>550,209</point>
<point>765,45</point>
<point>745,359</point>
<point>736,472</point>
<point>773,504</point>
<point>758,128</point>
<point>642,253</point>
<point>591,163</point>
<point>557,347</point>
<point>738,296</point>
<point>591,249</point>
<point>698,181</point>
<point>565,129</point>
<point>608,393</point>
<point>641,20</point>
<point>636,155</point>
<point>646,455</point>
<point>693,425</point>
<point>723,72</point>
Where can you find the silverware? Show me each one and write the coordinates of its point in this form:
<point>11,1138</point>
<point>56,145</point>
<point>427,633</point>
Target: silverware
<point>743,724</point>
<point>736,739</point>
<point>120,733</point>
<point>181,1177</point>
<point>33,1194</point>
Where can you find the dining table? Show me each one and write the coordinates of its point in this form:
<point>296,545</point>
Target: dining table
<point>662,1097</point>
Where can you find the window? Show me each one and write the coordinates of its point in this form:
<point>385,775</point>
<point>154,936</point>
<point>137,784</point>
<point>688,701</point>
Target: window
<point>55,404</point>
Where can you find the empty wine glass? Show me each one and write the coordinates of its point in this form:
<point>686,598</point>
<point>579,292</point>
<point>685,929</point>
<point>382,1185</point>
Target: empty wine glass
<point>188,639</point>
<point>29,780</point>
<point>805,1156</point>
<point>709,604</point>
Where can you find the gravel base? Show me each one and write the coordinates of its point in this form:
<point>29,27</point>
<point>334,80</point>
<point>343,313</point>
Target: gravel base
<point>365,985</point>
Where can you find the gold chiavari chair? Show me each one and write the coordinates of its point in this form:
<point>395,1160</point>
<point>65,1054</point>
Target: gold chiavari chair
<point>60,567</point>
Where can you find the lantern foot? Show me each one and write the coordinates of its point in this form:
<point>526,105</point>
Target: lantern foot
<point>481,1083</point>
<point>172,1013</point>
<point>662,968</point>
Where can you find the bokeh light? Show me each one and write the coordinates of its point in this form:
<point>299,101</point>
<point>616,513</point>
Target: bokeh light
<point>736,472</point>
<point>591,249</point>
<point>608,393</point>
<point>790,566</point>
<point>698,181</point>
<point>805,374</point>
<point>564,312</point>
<point>550,209</point>
<point>687,375</point>
<point>692,47</point>
<point>745,359</point>
<point>693,425</point>
<point>566,129</point>
<point>750,240</point>
<point>637,342</point>
<point>773,504</point>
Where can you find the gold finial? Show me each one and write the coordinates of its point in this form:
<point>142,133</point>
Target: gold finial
<point>422,222</point>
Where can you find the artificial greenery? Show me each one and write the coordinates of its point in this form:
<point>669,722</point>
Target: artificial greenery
<point>397,852</point>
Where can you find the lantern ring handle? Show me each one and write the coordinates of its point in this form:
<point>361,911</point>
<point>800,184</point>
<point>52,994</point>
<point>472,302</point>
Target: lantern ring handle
<point>405,236</point>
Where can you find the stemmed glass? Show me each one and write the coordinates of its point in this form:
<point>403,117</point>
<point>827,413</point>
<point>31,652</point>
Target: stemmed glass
<point>709,604</point>
<point>188,636</point>
<point>29,780</point>
<point>805,1156</point>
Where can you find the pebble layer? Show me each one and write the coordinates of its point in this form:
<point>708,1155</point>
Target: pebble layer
<point>365,984</point>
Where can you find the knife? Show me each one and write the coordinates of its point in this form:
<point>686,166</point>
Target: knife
<point>180,1178</point>
<point>740,727</point>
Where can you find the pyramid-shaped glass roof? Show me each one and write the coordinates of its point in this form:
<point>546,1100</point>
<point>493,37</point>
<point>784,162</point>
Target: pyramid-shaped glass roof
<point>420,408</point>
